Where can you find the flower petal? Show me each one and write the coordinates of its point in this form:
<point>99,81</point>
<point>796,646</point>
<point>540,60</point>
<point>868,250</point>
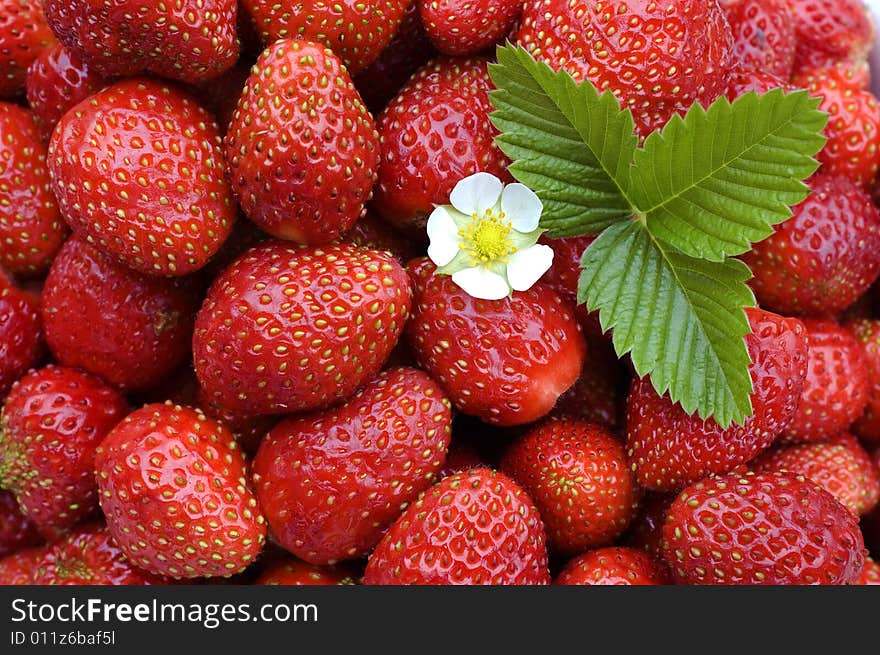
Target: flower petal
<point>443,234</point>
<point>521,207</point>
<point>481,283</point>
<point>527,266</point>
<point>476,193</point>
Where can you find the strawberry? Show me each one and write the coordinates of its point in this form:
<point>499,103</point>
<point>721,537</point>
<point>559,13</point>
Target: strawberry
<point>23,35</point>
<point>763,34</point>
<point>832,30</point>
<point>356,31</point>
<point>247,429</point>
<point>302,148</point>
<point>371,232</point>
<point>433,134</point>
<point>765,528</point>
<point>52,422</point>
<point>669,449</point>
<point>56,81</point>
<point>173,488</point>
<point>853,129</point>
<point>870,574</point>
<point>576,473</point>
<point>867,333</point>
<point>506,361</point>
<point>89,556</point>
<point>19,568</point>
<point>31,227</point>
<point>840,466</point>
<point>465,27</point>
<point>17,531</point>
<point>187,40</point>
<point>744,80</point>
<point>473,528</point>
<point>128,328</point>
<point>836,388</point>
<point>290,328</point>
<point>823,258</point>
<point>295,573</point>
<point>613,566</point>
<point>685,58</point>
<point>21,334</point>
<point>138,171</point>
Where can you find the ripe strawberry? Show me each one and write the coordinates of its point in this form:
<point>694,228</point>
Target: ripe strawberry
<point>657,58</point>
<point>56,81</point>
<point>368,458</point>
<point>89,556</point>
<point>21,334</point>
<point>764,528</point>
<point>172,486</point>
<point>870,574</point>
<point>356,31</point>
<point>840,466</point>
<point>823,258</point>
<point>17,531</point>
<point>131,329</point>
<point>613,566</point>
<point>290,328</point>
<point>763,34</point>
<point>31,228</point>
<point>506,361</point>
<point>744,80</point>
<point>669,449</point>
<point>576,473</point>
<point>465,27</point>
<point>434,133</point>
<point>138,170</point>
<point>295,573</point>
<point>836,388</point>
<point>19,568</point>
<point>188,40</point>
<point>832,30</point>
<point>867,333</point>
<point>52,422</point>
<point>473,528</point>
<point>302,148</point>
<point>23,35</point>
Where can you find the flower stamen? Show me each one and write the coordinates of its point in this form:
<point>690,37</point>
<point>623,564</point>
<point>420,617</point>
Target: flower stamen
<point>487,239</point>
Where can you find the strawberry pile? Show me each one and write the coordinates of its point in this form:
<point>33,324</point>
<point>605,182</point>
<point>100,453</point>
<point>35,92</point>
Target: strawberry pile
<point>224,353</point>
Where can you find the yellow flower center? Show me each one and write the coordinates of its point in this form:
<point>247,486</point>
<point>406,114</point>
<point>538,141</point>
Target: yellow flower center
<point>487,238</point>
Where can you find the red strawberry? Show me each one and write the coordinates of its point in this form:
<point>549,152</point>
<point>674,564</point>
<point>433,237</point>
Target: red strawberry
<point>823,258</point>
<point>669,449</point>
<point>836,388</point>
<point>31,227</point>
<point>138,170</point>
<point>17,531</point>
<point>371,232</point>
<point>464,27</point>
<point>576,473</point>
<point>57,81</point>
<point>173,488</point>
<point>248,429</point>
<point>89,556</point>
<point>52,422</point>
<point>188,40</point>
<point>302,148</point>
<point>433,134</point>
<point>870,574</point>
<point>763,34</point>
<point>473,528</point>
<point>19,568</point>
<point>21,334</point>
<point>357,31</point>
<point>744,80</point>
<point>832,30</point>
<point>23,35</point>
<point>506,361</point>
<point>764,528</point>
<point>867,333</point>
<point>686,56</point>
<point>840,466</point>
<point>613,566</point>
<point>131,329</point>
<point>295,573</point>
<point>289,328</point>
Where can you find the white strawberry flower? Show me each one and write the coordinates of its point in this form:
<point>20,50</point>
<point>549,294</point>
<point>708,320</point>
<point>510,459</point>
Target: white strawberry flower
<point>487,239</point>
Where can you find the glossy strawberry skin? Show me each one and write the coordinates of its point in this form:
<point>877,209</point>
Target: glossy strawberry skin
<point>832,30</point>
<point>52,422</point>
<point>465,27</point>
<point>867,333</point>
<point>131,329</point>
<point>302,148</point>
<point>764,528</point>
<point>669,449</point>
<point>138,170</point>
<point>836,388</point>
<point>295,573</point>
<point>173,489</point>
<point>21,334</point>
<point>433,134</point>
<point>19,568</point>
<point>188,40</point>
<point>823,258</point>
<point>577,475</point>
<point>17,531</point>
<point>613,566</point>
<point>475,527</point>
<point>506,361</point>
<point>763,34</point>
<point>23,35</point>
<point>31,227</point>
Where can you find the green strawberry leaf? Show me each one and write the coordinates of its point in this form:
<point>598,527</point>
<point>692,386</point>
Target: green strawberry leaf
<point>569,144</point>
<point>680,318</point>
<point>718,180</point>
